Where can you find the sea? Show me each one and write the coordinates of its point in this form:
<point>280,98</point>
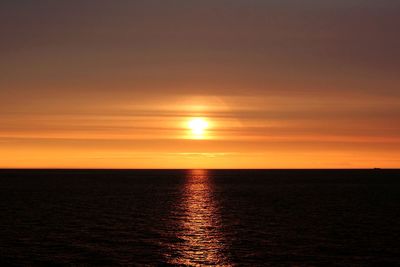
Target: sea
<point>200,217</point>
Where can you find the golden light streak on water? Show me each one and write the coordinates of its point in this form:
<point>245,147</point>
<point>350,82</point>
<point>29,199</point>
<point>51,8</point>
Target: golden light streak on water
<point>202,242</point>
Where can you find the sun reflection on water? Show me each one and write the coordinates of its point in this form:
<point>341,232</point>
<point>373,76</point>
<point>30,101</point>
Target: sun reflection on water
<point>200,232</point>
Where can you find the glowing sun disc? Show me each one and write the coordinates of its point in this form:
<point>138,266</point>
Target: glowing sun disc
<point>198,126</point>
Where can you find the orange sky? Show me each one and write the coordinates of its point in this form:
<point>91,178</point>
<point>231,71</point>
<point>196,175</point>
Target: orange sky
<point>100,84</point>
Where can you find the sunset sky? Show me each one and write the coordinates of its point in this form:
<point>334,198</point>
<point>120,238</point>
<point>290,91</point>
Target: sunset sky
<point>277,84</point>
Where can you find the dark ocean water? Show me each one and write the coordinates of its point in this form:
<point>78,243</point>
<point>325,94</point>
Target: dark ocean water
<point>200,217</point>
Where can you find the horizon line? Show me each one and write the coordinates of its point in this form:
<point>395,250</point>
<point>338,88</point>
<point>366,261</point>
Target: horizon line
<point>133,169</point>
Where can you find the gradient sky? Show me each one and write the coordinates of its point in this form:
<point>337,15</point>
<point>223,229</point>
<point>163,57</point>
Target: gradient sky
<point>283,84</point>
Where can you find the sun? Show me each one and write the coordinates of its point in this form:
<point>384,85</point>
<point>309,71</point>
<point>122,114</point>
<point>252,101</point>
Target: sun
<point>198,127</point>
